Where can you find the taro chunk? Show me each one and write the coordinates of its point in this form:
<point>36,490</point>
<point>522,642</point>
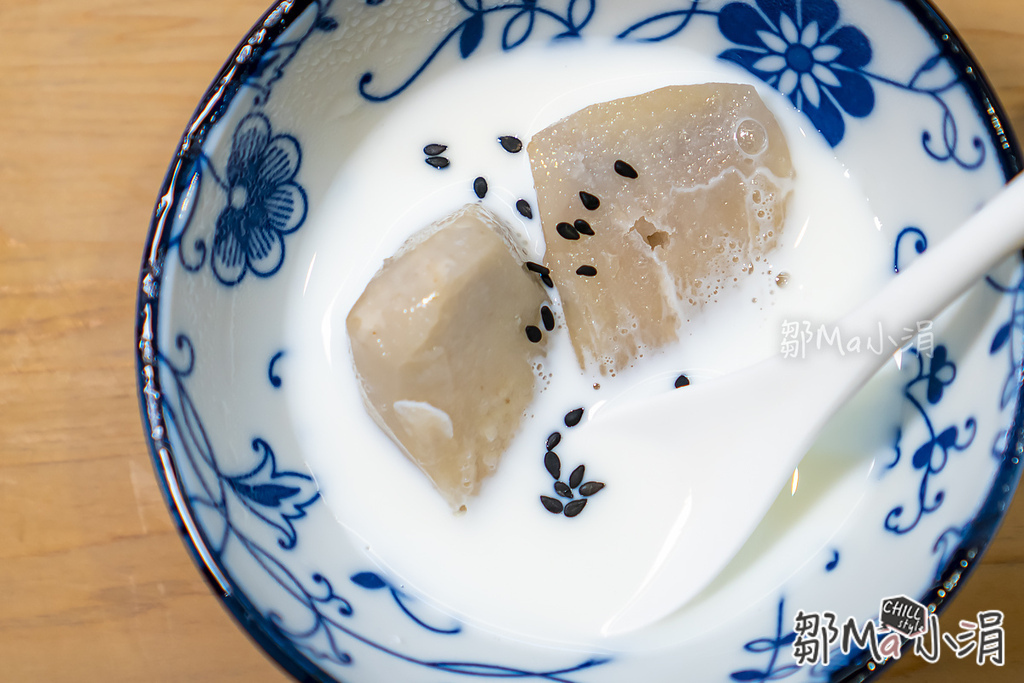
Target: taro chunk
<point>439,343</point>
<point>678,189</point>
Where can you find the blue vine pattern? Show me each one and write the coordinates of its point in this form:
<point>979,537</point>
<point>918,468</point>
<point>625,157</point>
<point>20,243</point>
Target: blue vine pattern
<point>935,374</point>
<point>1010,337</point>
<point>834,562</point>
<point>946,545</point>
<point>518,28</point>
<point>920,244</point>
<point>272,376</point>
<point>373,582</point>
<point>223,495</point>
<point>773,644</point>
<point>279,499</point>
<point>669,24</point>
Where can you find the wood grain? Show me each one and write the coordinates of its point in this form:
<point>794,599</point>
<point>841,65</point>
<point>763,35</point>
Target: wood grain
<point>95,585</point>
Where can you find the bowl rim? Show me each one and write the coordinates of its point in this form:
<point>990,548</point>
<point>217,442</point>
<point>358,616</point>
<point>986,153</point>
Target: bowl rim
<point>242,62</point>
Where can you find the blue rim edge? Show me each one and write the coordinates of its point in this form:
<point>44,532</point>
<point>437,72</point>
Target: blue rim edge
<point>215,102</point>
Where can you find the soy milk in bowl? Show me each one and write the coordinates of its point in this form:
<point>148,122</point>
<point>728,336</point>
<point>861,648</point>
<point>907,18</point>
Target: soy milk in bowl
<point>507,535</point>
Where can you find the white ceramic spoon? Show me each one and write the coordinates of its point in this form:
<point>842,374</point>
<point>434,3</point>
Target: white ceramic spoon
<point>735,441</point>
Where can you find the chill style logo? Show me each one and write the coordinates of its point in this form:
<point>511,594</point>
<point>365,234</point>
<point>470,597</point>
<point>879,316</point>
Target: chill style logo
<point>903,625</point>
<point>904,616</point>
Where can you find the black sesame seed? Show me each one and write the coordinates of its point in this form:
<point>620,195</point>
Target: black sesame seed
<point>538,268</point>
<point>576,478</point>
<point>563,490</point>
<point>590,202</point>
<point>547,317</point>
<point>567,231</point>
<point>438,162</point>
<point>480,187</point>
<point>533,333</point>
<point>573,417</point>
<point>576,507</point>
<point>552,505</point>
<point>548,282</point>
<point>590,488</point>
<point>553,440</point>
<point>583,227</point>
<point>512,144</point>
<point>682,381</point>
<point>552,464</point>
<point>625,170</point>
<point>434,150</point>
<point>524,208</point>
<point>586,271</point>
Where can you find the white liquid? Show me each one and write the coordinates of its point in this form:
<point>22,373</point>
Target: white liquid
<point>509,563</point>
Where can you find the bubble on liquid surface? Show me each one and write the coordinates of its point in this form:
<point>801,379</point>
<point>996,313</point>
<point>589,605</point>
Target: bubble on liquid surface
<point>751,137</point>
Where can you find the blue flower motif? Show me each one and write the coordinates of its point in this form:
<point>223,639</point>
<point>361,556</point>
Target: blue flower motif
<point>264,202</point>
<point>941,373</point>
<point>276,497</point>
<point>779,643</point>
<point>796,47</point>
<point>936,374</point>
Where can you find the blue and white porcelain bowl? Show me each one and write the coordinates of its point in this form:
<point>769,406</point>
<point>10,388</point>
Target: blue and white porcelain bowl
<point>245,243</point>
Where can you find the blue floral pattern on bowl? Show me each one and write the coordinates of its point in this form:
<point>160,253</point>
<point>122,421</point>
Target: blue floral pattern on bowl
<point>240,192</point>
<point>803,52</point>
<point>264,203</point>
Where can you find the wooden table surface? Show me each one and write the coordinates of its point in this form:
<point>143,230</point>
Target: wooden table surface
<point>95,584</point>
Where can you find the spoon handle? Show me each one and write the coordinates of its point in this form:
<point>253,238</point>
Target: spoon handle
<point>930,284</point>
